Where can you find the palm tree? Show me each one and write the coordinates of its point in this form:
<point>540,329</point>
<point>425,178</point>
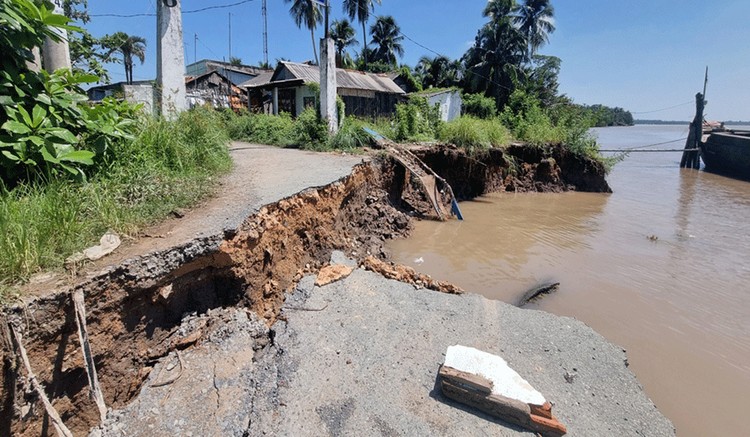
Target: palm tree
<point>386,34</point>
<point>494,63</point>
<point>360,10</point>
<point>129,47</point>
<point>342,34</point>
<point>308,13</point>
<point>535,20</point>
<point>435,72</point>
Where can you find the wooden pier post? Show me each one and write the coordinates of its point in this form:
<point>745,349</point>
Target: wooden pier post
<point>691,157</point>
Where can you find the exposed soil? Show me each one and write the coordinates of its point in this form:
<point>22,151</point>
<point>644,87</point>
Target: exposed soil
<point>519,168</point>
<point>135,309</point>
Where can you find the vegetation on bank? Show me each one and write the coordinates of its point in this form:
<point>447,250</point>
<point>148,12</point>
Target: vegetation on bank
<point>69,171</point>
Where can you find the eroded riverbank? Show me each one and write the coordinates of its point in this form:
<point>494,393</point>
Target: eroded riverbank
<point>140,311</point>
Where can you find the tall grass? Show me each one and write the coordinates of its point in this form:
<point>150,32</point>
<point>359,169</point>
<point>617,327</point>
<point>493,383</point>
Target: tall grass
<point>274,130</point>
<point>474,134</point>
<point>169,165</point>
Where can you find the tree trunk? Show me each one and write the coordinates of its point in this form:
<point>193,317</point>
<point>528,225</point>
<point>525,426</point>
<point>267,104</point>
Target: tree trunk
<point>315,51</point>
<point>364,44</point>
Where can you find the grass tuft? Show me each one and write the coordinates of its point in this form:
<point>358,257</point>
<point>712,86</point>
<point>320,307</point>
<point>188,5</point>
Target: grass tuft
<point>169,165</point>
<point>474,134</point>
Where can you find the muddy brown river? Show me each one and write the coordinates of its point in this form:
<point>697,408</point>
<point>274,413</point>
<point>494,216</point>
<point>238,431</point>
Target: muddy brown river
<point>659,267</point>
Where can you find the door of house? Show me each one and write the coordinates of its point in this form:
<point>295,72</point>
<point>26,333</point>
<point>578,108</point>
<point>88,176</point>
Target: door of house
<point>288,101</point>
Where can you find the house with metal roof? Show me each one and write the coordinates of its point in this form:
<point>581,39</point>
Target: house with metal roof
<point>238,74</point>
<point>292,88</point>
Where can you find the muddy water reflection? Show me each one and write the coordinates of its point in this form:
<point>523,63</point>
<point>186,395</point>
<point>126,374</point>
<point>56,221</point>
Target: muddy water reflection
<point>679,302</point>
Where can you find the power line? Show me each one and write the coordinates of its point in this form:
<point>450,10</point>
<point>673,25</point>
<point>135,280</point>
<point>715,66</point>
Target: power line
<point>440,54</point>
<point>208,8</point>
<point>663,109</point>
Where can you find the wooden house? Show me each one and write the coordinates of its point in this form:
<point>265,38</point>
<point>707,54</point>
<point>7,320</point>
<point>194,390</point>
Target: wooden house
<point>293,87</point>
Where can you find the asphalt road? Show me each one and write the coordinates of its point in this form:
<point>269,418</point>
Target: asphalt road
<point>359,357</point>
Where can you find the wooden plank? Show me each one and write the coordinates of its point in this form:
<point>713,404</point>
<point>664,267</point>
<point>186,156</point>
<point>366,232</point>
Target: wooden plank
<point>95,391</point>
<point>482,385</point>
<point>57,422</point>
<point>476,391</point>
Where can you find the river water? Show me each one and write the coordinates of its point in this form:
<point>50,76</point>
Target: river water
<point>659,267</point>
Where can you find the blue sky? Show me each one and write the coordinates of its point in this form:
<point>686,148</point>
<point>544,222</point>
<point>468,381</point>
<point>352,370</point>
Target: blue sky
<point>641,55</point>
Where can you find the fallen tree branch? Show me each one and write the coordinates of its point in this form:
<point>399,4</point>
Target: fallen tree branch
<point>537,292</point>
<point>95,391</point>
<point>51,412</point>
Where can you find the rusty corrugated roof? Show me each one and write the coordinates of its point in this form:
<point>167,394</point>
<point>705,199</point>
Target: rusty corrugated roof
<point>351,79</point>
<point>262,79</point>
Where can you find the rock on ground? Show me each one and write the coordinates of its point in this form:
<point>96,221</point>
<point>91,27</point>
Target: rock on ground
<point>360,357</point>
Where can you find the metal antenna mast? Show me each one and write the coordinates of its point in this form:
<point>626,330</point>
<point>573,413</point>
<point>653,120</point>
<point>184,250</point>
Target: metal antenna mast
<point>265,33</point>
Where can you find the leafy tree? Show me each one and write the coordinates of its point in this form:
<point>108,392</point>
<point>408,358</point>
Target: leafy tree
<point>129,47</point>
<point>412,83</point>
<point>360,10</point>
<point>343,34</point>
<point>541,78</point>
<point>235,61</point>
<point>494,64</point>
<point>534,20</point>
<point>439,72</point>
<point>85,55</point>
<point>307,13</point>
<point>386,34</point>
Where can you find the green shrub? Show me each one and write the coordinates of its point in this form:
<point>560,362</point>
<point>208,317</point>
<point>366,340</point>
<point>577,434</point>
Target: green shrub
<point>475,134</point>
<point>168,165</point>
<point>310,131</point>
<point>416,120</point>
<point>479,106</point>
<point>45,131</point>
<point>351,135</point>
<point>274,130</point>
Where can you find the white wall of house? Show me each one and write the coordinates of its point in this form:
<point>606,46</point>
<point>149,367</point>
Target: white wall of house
<point>450,104</point>
<point>140,94</point>
<point>302,93</point>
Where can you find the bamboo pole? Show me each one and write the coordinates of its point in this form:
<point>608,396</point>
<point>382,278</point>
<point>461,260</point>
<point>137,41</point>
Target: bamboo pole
<point>95,391</point>
<point>51,412</point>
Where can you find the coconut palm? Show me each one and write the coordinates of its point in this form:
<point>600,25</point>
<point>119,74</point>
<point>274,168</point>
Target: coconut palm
<point>360,10</point>
<point>386,34</point>
<point>535,21</point>
<point>342,34</point>
<point>494,63</point>
<point>307,13</point>
<point>439,71</point>
<point>129,47</point>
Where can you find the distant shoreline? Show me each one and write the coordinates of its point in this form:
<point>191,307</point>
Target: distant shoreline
<point>676,122</point>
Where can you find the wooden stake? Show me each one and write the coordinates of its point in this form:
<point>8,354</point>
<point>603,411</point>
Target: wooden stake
<point>95,391</point>
<point>51,412</point>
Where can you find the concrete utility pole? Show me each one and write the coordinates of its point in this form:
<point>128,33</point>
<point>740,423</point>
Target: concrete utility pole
<point>328,84</point>
<point>56,54</point>
<point>170,54</point>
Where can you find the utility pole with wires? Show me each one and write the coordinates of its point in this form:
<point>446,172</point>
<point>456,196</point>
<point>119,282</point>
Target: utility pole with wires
<point>230,37</point>
<point>170,55</point>
<point>328,86</point>
<point>55,53</point>
<point>265,34</point>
